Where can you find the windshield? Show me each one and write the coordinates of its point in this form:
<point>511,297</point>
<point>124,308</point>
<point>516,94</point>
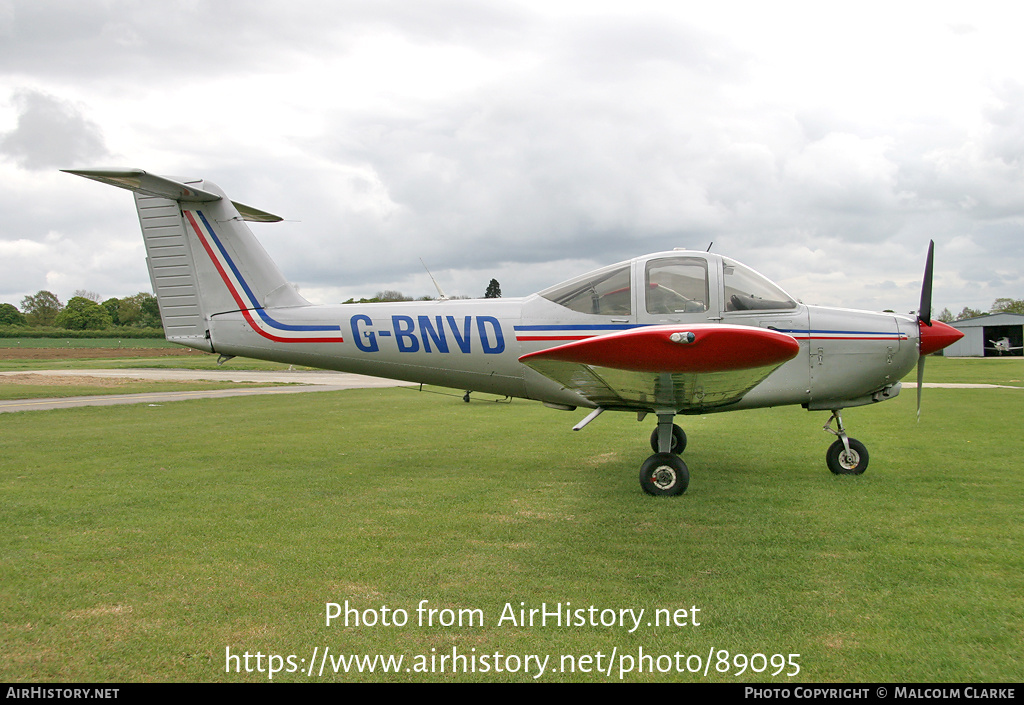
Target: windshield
<point>605,292</point>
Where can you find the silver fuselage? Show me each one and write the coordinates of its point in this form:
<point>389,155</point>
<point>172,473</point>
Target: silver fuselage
<point>847,357</point>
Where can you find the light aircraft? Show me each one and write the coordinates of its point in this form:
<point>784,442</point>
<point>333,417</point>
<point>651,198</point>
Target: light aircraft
<point>676,332</point>
<point>1003,346</point>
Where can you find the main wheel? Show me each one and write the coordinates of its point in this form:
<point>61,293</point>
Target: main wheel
<point>678,439</point>
<point>664,474</point>
<point>842,463</point>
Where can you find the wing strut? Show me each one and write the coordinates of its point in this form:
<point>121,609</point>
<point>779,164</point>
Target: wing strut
<point>590,417</point>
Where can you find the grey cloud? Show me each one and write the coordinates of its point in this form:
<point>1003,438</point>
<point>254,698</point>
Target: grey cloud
<point>179,41</point>
<point>609,138</point>
<point>554,161</point>
<point>610,49</point>
<point>1006,119</point>
<point>51,133</point>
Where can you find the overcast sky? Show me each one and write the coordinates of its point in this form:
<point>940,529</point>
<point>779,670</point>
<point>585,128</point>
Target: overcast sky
<point>823,144</point>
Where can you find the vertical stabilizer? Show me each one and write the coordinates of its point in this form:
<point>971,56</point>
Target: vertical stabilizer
<point>203,260</point>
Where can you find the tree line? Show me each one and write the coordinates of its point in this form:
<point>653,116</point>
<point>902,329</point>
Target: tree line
<point>83,311</point>
<point>1000,305</point>
<point>493,292</point>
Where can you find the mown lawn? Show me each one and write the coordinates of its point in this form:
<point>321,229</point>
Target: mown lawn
<point>148,543</point>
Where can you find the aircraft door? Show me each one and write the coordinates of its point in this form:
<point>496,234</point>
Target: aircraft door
<point>677,289</point>
<point>751,299</point>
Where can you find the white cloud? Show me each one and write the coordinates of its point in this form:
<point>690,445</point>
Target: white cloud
<point>50,133</point>
<point>819,145</point>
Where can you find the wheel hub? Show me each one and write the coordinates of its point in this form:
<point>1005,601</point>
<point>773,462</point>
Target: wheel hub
<point>663,477</point>
<point>849,460</point>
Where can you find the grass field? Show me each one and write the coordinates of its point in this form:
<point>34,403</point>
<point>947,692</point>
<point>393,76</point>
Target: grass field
<point>970,370</point>
<point>100,353</point>
<point>32,387</point>
<point>142,542</point>
<point>29,343</point>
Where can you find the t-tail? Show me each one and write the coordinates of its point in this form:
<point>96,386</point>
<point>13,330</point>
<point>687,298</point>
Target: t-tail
<point>203,260</point>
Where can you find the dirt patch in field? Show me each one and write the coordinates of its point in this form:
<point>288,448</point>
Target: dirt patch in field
<point>91,353</point>
<point>68,380</point>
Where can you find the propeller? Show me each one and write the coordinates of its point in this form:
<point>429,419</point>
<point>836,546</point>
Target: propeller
<point>933,335</point>
<point>924,318</point>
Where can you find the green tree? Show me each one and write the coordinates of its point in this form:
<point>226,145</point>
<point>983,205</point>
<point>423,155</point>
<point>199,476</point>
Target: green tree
<point>968,313</point>
<point>83,314</point>
<point>391,295</point>
<point>111,306</point>
<point>140,310</point>
<point>41,309</point>
<point>86,294</point>
<point>1008,306</point>
<point>129,311</point>
<point>493,290</point>
<point>946,316</point>
<point>150,310</point>
<point>11,316</point>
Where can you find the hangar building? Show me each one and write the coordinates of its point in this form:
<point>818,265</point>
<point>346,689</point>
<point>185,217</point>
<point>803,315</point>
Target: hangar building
<point>981,334</point>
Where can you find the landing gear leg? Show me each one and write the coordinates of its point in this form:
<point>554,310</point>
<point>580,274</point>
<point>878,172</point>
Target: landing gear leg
<point>847,456</point>
<point>665,473</point>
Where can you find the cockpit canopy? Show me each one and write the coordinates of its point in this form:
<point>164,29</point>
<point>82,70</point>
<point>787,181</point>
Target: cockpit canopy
<point>673,284</point>
<point>607,291</point>
<point>746,290</point>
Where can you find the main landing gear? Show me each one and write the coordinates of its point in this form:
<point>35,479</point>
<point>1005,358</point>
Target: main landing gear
<point>847,456</point>
<point>665,473</point>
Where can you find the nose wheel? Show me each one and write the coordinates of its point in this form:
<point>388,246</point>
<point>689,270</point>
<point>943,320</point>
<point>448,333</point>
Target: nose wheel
<point>678,440</point>
<point>847,462</point>
<point>847,456</point>
<point>665,473</point>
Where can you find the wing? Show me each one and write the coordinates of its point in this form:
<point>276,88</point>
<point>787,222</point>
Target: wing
<point>656,367</point>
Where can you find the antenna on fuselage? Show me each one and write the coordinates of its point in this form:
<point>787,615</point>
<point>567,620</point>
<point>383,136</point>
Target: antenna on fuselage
<point>437,286</point>
<point>709,246</point>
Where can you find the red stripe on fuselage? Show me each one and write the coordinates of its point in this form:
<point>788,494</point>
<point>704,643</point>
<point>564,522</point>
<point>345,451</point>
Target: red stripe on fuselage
<point>238,299</point>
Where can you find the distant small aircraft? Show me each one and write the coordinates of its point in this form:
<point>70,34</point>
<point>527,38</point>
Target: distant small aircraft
<point>1003,346</point>
<point>677,332</point>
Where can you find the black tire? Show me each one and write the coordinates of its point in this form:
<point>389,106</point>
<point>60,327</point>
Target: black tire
<point>664,474</point>
<point>841,464</point>
<point>678,439</point>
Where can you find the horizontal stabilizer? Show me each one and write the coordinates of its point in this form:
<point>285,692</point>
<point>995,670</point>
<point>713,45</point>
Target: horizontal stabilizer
<point>148,184</point>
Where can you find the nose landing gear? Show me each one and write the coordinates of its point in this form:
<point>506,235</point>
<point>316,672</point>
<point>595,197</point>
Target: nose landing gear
<point>665,473</point>
<point>847,456</point>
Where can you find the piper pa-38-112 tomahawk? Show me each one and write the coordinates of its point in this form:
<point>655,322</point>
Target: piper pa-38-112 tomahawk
<point>678,332</point>
<point>1003,345</point>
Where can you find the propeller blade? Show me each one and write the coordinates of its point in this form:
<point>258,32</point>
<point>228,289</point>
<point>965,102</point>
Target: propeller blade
<point>920,383</point>
<point>924,316</point>
<point>924,311</point>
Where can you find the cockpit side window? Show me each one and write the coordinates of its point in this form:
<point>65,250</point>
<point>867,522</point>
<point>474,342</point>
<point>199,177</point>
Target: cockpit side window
<point>677,285</point>
<point>746,290</point>
<point>606,292</point>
